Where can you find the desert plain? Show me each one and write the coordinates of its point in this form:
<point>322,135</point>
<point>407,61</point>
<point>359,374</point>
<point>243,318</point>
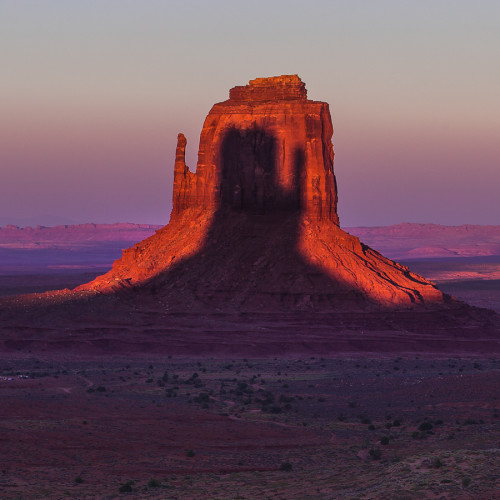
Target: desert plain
<point>132,421</point>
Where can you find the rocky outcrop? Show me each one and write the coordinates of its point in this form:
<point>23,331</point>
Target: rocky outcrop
<point>285,87</point>
<point>253,261</point>
<point>256,226</point>
<point>266,148</point>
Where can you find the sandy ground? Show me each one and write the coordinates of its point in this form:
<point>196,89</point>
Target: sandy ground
<point>249,428</point>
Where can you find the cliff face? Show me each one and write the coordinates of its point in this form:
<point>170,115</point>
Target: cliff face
<point>256,226</point>
<point>266,148</point>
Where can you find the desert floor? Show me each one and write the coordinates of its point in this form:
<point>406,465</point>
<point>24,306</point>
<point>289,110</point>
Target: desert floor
<point>176,427</point>
<point>303,427</point>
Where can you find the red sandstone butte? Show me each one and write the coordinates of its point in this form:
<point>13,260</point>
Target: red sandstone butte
<point>267,146</point>
<point>256,226</point>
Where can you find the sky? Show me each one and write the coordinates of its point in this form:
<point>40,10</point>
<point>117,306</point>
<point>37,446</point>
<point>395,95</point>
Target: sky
<point>94,92</point>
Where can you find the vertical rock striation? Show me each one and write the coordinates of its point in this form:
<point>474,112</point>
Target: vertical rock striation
<point>267,147</point>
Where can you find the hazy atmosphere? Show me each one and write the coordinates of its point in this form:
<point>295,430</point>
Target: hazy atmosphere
<point>94,94</point>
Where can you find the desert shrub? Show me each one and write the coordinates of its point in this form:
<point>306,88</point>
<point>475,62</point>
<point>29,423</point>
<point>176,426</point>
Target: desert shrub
<point>241,386</point>
<point>190,453</point>
<point>101,388</point>
<point>371,427</point>
<point>171,392</point>
<point>78,480</point>
<point>384,440</point>
<point>471,421</point>
<point>268,398</point>
<point>396,423</point>
<point>203,397</point>
<point>436,463</point>
<point>466,480</point>
<point>375,453</point>
<point>126,487</point>
<point>286,466</point>
<point>154,483</point>
<point>425,426</point>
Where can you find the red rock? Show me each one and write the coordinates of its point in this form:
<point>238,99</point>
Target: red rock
<point>256,226</point>
<point>253,261</point>
<point>267,147</point>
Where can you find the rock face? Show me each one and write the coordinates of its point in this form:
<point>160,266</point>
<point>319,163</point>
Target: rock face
<point>255,228</point>
<point>266,148</point>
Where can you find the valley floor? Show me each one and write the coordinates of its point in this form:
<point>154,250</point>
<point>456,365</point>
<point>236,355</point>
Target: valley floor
<point>281,428</point>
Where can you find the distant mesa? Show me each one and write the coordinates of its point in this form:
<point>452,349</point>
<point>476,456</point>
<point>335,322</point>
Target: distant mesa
<point>417,241</point>
<point>255,227</point>
<point>71,235</point>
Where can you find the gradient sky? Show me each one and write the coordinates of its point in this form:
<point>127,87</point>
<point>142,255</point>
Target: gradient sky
<point>94,92</point>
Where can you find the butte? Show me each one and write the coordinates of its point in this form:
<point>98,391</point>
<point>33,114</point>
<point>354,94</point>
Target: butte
<point>256,226</point>
<point>253,260</point>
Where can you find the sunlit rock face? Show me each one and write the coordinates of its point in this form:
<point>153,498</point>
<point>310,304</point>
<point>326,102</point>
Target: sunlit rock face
<point>255,227</point>
<point>266,148</point>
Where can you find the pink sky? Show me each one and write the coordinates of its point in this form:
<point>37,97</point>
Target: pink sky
<point>94,94</point>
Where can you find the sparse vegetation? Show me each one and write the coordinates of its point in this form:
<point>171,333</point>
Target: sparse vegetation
<point>436,463</point>
<point>154,483</point>
<point>466,480</point>
<point>425,426</point>
<point>126,487</point>
<point>303,405</point>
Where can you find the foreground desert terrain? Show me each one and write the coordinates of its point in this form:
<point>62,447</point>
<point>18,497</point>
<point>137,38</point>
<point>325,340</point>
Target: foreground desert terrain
<point>98,423</point>
<point>178,427</point>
